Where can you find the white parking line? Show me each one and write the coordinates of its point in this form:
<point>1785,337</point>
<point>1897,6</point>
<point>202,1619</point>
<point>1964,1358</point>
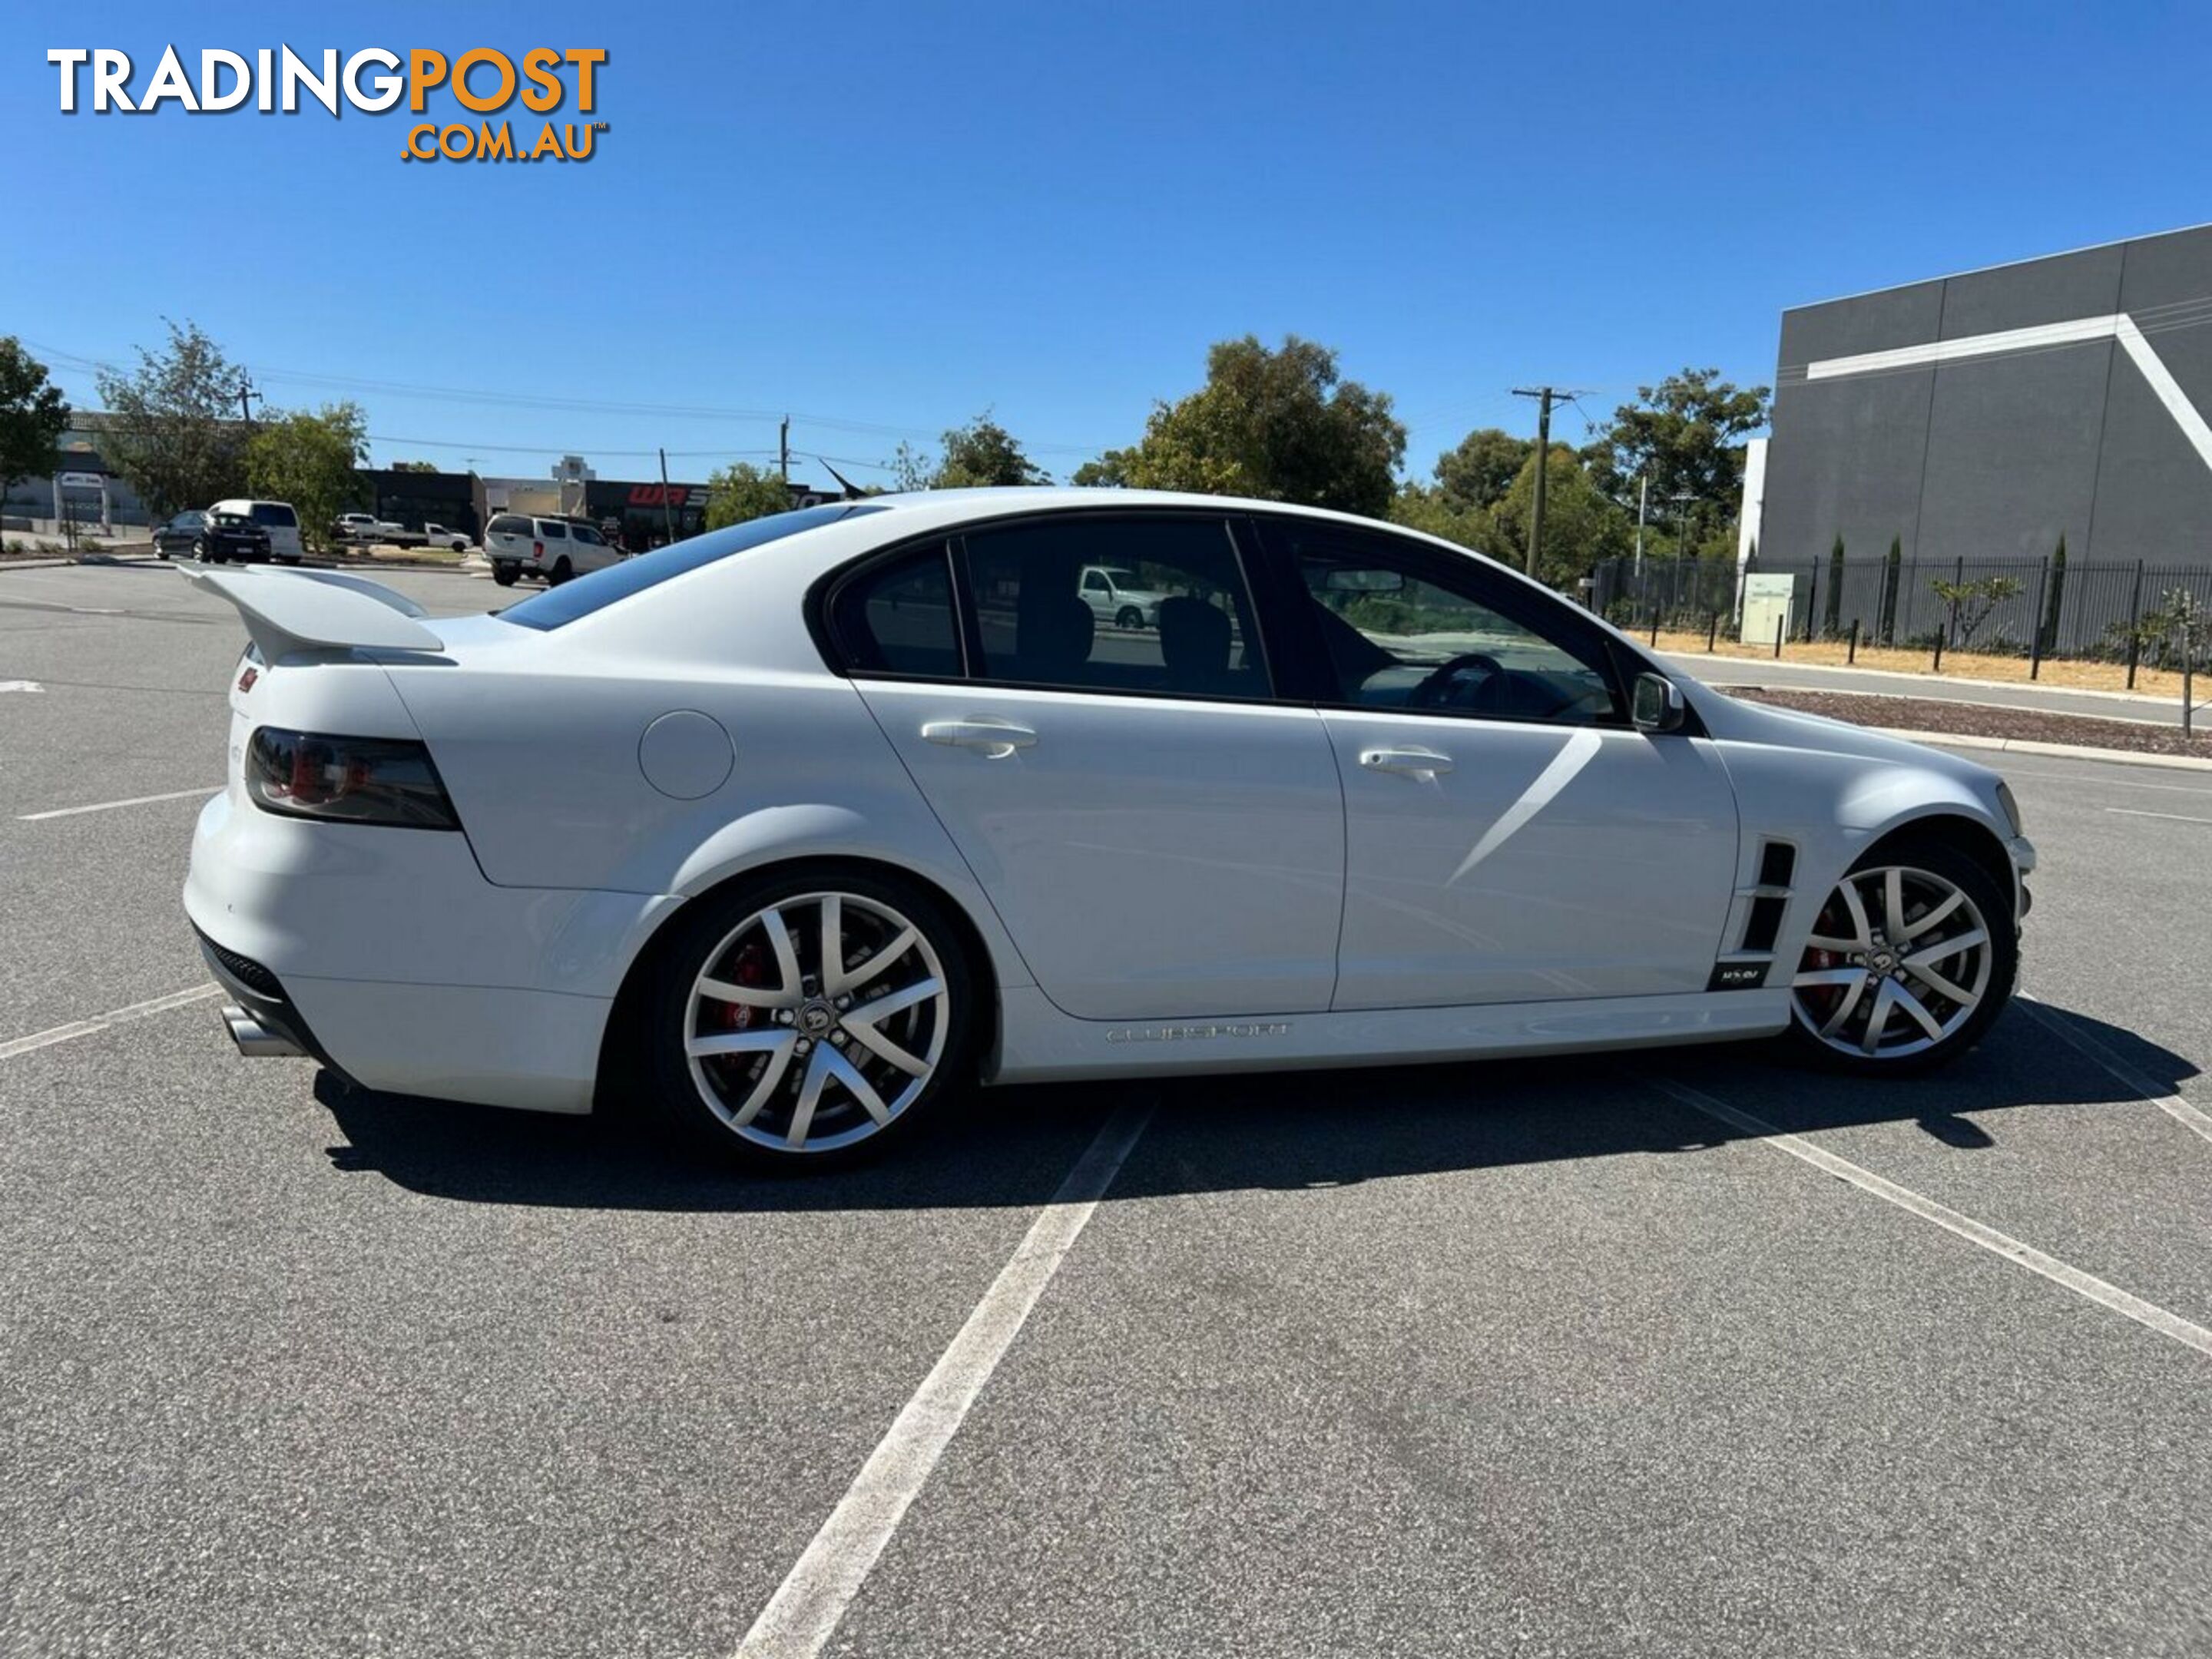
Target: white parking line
<point>77,1028</point>
<point>805,1608</point>
<point>2172,1105</point>
<point>110,805</point>
<point>2013,769</point>
<point>1974,1232</point>
<point>2171,817</point>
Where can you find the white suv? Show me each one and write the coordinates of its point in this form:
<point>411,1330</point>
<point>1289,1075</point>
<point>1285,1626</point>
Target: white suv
<point>1114,598</point>
<point>277,518</point>
<point>522,545</point>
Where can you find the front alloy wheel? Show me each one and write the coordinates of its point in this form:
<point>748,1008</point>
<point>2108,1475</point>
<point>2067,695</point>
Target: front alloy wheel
<point>813,1022</point>
<point>1907,964</point>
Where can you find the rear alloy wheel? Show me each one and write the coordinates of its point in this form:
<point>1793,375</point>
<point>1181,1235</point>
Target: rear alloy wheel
<point>1130,617</point>
<point>802,1022</point>
<point>1908,962</point>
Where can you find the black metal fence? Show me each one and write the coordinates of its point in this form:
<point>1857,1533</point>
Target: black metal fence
<point>1998,607</point>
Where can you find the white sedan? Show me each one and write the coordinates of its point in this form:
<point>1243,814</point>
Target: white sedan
<point>791,828</point>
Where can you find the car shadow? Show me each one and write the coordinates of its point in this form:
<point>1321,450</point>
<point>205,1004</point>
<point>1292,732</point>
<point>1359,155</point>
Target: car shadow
<point>1284,1132</point>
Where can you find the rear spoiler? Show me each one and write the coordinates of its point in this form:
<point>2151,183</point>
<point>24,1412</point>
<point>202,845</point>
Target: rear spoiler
<point>288,610</point>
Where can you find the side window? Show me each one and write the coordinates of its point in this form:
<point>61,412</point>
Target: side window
<point>552,529</point>
<point>897,618</point>
<point>1094,580</point>
<point>588,537</point>
<point>1402,630</point>
<point>1183,627</point>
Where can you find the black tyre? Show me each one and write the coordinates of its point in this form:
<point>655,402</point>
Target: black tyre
<point>160,552</point>
<point>1129,616</point>
<point>559,574</point>
<point>504,574</point>
<point>1912,956</point>
<point>807,1018</point>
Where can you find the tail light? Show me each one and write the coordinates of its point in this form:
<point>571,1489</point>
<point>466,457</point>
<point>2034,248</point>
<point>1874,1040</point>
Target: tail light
<point>308,775</point>
<point>537,550</point>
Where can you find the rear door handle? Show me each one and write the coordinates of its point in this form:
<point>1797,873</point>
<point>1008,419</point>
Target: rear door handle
<point>995,738</point>
<point>1413,762</point>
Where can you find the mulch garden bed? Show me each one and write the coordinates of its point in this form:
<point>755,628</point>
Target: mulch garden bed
<point>1983,720</point>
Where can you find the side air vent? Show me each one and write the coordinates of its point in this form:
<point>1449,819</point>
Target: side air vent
<point>1758,933</point>
<point>1778,862</point>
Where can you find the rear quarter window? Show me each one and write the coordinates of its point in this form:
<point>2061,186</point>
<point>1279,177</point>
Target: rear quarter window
<point>275,514</point>
<point>552,531</point>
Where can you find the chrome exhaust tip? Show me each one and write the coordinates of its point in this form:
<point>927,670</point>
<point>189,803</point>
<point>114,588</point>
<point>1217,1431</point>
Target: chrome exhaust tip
<point>254,1040</point>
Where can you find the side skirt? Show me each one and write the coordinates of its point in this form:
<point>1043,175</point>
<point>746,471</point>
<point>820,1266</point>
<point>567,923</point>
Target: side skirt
<point>1037,1043</point>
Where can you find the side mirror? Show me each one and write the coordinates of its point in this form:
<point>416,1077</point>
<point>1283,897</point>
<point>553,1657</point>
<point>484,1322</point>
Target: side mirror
<point>1657,704</point>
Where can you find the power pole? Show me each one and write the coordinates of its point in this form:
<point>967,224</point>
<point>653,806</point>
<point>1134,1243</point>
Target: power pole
<point>783,449</point>
<point>1546,395</point>
<point>246,393</point>
<point>1643,505</point>
<point>667,507</point>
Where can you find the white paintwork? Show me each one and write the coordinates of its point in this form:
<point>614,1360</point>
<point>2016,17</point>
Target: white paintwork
<point>285,613</point>
<point>2043,337</point>
<point>1157,885</point>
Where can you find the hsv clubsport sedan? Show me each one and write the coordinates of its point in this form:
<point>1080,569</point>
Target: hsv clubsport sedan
<point>792,827</point>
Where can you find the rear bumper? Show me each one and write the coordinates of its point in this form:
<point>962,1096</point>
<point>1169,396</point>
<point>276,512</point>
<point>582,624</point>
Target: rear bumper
<point>386,954</point>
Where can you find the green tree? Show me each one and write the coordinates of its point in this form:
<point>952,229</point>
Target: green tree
<point>311,461</point>
<point>1280,425</point>
<point>1435,510</point>
<point>1892,576</point>
<point>172,437</point>
<point>33,415</point>
<point>1971,602</point>
<point>1686,436</point>
<point>1582,523</point>
<point>1483,467</point>
<point>2054,596</point>
<point>741,492</point>
<point>414,466</point>
<point>983,454</point>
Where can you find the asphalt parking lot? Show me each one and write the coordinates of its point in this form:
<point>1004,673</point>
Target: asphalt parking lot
<point>1684,1354</point>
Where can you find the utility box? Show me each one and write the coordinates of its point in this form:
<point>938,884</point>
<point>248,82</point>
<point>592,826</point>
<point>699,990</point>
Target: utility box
<point>1765,607</point>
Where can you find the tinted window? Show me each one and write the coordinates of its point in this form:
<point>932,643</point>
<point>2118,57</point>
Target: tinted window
<point>552,529</point>
<point>897,618</point>
<point>588,535</point>
<point>603,587</point>
<point>1404,631</point>
<point>508,524</point>
<point>275,514</point>
<point>1192,632</point>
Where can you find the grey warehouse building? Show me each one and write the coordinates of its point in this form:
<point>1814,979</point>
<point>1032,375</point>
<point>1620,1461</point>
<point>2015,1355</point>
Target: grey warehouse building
<point>1975,419</point>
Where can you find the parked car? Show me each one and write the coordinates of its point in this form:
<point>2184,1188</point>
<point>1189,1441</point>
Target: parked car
<point>436,534</point>
<point>1113,597</point>
<point>367,527</point>
<point>224,537</point>
<point>277,518</point>
<point>524,545</point>
<point>796,824</point>
<point>178,535</point>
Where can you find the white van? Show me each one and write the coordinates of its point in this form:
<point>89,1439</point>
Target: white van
<point>278,519</point>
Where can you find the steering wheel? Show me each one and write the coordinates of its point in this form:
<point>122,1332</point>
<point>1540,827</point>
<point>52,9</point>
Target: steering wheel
<point>1437,690</point>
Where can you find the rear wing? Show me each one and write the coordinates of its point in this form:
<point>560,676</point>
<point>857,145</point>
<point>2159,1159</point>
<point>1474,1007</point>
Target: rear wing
<point>288,610</point>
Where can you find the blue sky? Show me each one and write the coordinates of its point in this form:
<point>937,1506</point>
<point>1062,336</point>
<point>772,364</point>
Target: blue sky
<point>886,217</point>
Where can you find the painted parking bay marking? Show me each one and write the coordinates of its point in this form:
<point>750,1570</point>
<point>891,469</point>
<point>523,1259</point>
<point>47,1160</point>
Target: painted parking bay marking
<point>77,1028</point>
<point>2055,1022</point>
<point>2171,818</point>
<point>2148,1314</point>
<point>110,805</point>
<point>805,1611</point>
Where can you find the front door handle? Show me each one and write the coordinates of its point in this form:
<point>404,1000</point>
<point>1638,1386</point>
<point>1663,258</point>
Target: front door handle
<point>995,738</point>
<point>1415,763</point>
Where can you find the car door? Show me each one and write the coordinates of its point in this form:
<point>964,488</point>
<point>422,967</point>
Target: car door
<point>1511,836</point>
<point>1162,839</point>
